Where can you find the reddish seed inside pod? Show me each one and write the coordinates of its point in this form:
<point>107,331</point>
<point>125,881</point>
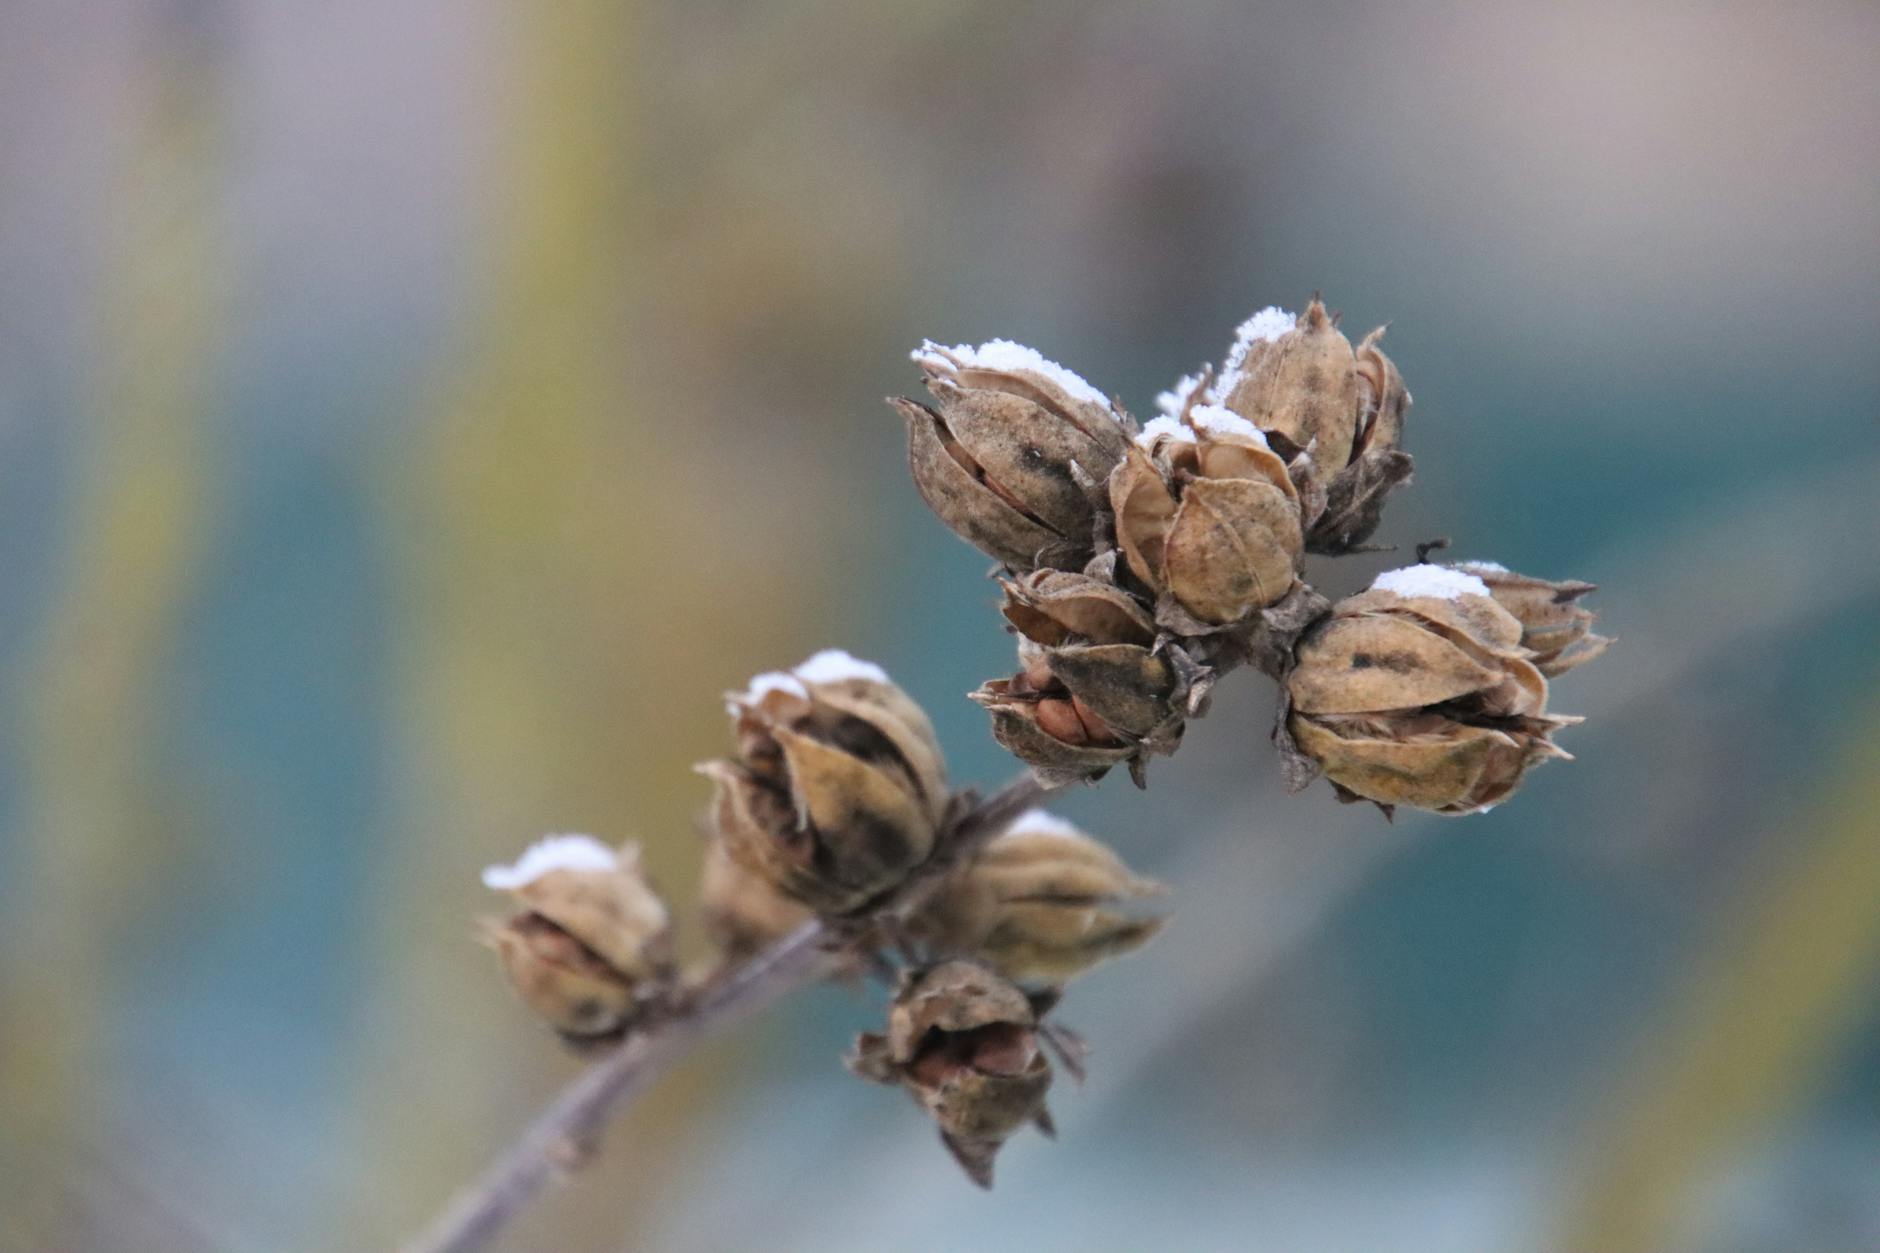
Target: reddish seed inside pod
<point>1000,1048</point>
<point>1059,720</point>
<point>1096,730</point>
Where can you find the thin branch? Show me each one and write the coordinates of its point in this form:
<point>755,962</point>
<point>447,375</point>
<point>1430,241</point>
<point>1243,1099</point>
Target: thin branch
<point>564,1134</point>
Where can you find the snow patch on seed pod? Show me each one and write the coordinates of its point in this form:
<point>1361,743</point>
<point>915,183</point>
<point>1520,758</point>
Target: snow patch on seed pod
<point>1044,822</point>
<point>554,852</point>
<point>1483,567</point>
<point>1171,402</point>
<point>832,665</point>
<point>1164,428</point>
<point>1216,420</point>
<point>1438,582</point>
<point>1004,354</point>
<point>1262,328</point>
<point>763,685</point>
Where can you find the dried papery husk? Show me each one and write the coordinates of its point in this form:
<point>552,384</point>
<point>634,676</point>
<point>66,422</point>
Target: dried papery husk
<point>1303,388</point>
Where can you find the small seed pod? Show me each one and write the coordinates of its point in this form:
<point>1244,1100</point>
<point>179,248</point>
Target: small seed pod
<point>838,787</point>
<point>592,948</point>
<point>964,1043</point>
<point>1554,626</point>
<point>1418,692</point>
<point>1075,710</point>
<point>1300,387</point>
<point>743,912</point>
<point>1208,518</point>
<point>1042,904</point>
<point>1335,415</point>
<point>1012,458</point>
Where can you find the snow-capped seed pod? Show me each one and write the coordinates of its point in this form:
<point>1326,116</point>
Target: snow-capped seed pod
<point>1042,904</point>
<point>592,948</point>
<point>1334,414</point>
<point>1300,386</point>
<point>1218,548</point>
<point>1418,692</point>
<point>1010,456</point>
<point>743,912</point>
<point>838,788</point>
<point>1554,626</point>
<point>964,1043</point>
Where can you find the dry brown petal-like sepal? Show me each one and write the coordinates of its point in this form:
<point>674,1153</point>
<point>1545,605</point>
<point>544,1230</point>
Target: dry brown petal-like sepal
<point>743,912</point>
<point>1042,904</point>
<point>838,788</point>
<point>1418,692</point>
<point>1010,457</point>
<point>592,948</point>
<point>1555,627</point>
<point>965,1044</point>
<point>1383,400</point>
<point>1354,492</point>
<point>1055,607</point>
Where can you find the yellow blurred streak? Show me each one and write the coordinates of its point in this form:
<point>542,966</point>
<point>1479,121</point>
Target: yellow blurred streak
<point>94,844</point>
<point>563,601</point>
<point>1795,968</point>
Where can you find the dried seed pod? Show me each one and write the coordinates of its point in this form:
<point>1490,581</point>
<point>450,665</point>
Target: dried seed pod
<point>1011,456</point>
<point>838,787</point>
<point>1075,710</point>
<point>1300,387</point>
<point>1042,904</point>
<point>1554,626</point>
<point>964,1043</point>
<point>742,911</point>
<point>1060,742</point>
<point>1335,414</point>
<point>1418,692</point>
<point>1207,516</point>
<point>592,948</point>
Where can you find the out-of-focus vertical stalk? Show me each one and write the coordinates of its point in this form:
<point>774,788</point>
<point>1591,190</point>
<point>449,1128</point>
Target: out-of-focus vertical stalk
<point>552,661</point>
<point>1793,974</point>
<point>93,847</point>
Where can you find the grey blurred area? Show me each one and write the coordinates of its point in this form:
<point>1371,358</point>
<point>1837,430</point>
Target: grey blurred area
<point>413,416</point>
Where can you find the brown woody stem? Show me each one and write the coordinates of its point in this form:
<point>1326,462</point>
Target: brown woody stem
<point>563,1134</point>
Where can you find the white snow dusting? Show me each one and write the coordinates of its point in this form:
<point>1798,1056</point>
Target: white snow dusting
<point>1158,428</point>
<point>1171,402</point>
<point>1218,421</point>
<point>832,665</point>
<point>1044,822</point>
<point>1439,582</point>
<point>554,852</point>
<point>1262,328</point>
<point>1003,354</point>
<point>1486,567</point>
<point>766,683</point>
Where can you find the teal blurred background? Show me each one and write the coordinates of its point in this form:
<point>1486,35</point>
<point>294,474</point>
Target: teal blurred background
<point>414,414</point>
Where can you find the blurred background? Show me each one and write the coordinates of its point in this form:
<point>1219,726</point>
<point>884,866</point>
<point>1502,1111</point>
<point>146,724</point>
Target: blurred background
<point>413,415</point>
